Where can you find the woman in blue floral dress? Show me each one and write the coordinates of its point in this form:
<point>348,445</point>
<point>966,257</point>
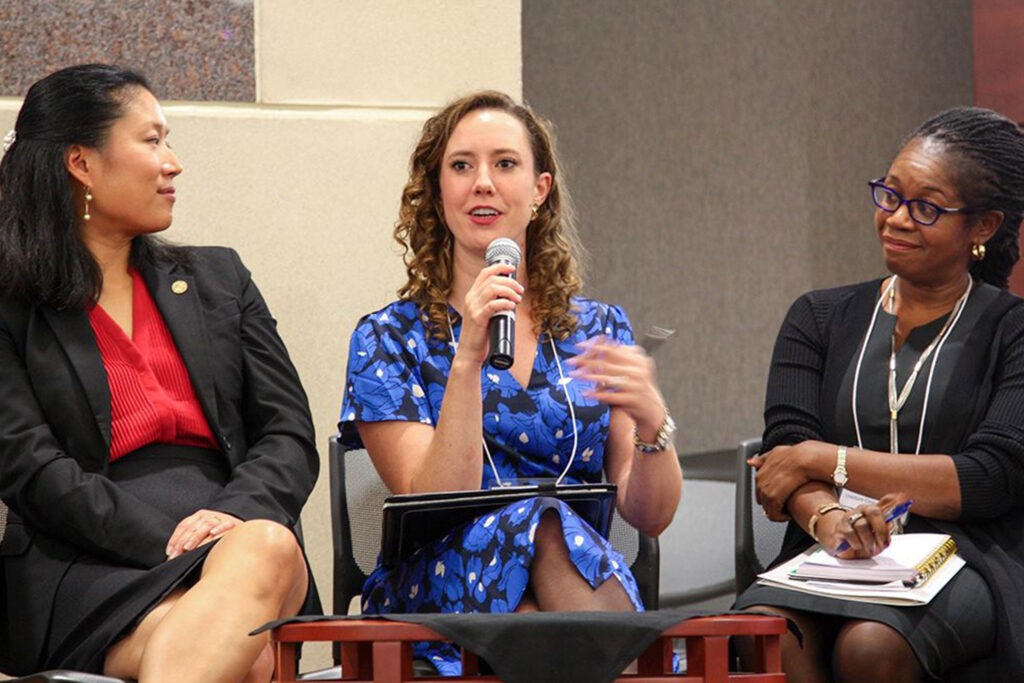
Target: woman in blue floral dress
<point>579,403</point>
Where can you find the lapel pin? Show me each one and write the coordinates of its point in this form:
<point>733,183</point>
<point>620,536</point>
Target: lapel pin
<point>179,286</point>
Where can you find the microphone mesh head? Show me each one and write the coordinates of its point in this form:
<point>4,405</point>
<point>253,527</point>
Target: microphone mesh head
<point>503,250</point>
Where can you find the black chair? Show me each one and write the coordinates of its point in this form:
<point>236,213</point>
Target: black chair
<point>709,476</point>
<point>357,495</point>
<point>758,539</point>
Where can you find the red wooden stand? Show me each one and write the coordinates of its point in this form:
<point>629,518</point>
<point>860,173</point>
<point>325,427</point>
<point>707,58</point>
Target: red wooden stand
<point>380,651</point>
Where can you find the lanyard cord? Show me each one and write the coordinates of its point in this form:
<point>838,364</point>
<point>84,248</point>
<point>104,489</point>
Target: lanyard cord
<point>937,345</point>
<point>563,381</point>
<point>935,361</point>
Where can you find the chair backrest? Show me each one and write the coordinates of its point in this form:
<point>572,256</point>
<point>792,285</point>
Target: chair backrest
<point>357,496</point>
<point>643,555</point>
<point>758,539</point>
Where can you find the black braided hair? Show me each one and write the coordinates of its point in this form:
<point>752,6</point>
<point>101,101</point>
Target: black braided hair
<point>987,151</point>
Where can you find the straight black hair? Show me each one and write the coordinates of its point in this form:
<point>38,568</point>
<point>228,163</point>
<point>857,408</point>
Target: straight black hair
<point>42,256</point>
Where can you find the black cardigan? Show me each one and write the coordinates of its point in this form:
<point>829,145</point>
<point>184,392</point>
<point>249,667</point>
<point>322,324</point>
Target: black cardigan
<point>979,422</point>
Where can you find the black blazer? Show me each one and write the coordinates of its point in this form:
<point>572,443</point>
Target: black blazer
<point>55,430</point>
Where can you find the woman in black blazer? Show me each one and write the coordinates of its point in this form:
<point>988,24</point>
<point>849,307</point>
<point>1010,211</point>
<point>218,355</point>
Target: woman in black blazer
<point>156,445</point>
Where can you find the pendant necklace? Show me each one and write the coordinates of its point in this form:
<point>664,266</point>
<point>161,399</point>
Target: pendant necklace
<point>897,399</point>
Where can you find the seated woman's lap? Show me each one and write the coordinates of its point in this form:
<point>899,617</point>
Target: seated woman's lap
<point>956,628</point>
<point>485,566</point>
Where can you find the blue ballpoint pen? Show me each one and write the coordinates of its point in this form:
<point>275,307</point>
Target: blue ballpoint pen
<point>893,515</point>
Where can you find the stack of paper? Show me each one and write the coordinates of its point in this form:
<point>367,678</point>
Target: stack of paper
<point>911,571</point>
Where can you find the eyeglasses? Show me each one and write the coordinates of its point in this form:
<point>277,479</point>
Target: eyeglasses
<point>921,212</point>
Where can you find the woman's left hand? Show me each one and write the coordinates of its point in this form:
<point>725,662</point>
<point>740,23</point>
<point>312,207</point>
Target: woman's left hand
<point>783,470</point>
<point>198,528</point>
<point>622,376</point>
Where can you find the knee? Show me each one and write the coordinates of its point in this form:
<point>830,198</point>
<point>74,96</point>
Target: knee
<point>271,547</point>
<point>868,650</point>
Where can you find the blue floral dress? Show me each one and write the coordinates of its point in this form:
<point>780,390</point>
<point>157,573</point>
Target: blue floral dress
<point>398,371</point>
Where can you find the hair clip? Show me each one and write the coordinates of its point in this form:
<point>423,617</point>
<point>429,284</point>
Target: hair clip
<point>9,139</point>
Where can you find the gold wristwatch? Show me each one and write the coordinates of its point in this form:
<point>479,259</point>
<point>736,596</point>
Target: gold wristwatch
<point>839,476</point>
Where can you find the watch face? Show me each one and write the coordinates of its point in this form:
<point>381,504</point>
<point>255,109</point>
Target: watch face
<point>839,478</point>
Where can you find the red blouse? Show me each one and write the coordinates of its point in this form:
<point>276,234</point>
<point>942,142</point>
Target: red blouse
<point>151,396</point>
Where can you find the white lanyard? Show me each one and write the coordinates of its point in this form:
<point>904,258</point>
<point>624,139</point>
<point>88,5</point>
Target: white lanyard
<point>563,381</point>
<point>939,342</point>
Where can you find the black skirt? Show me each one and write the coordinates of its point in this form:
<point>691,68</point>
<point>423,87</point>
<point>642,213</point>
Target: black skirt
<point>958,626</point>
<point>98,603</point>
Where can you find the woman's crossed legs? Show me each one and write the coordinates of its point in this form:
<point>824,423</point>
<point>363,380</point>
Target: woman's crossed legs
<point>256,573</point>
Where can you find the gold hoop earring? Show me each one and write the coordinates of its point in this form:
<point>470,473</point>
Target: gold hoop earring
<point>978,252</point>
<point>88,198</point>
<point>534,213</point>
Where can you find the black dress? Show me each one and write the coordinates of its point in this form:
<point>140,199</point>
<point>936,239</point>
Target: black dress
<point>975,402</point>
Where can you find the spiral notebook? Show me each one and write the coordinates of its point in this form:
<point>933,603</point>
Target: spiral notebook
<point>910,559</point>
<point>911,571</point>
<point>413,520</point>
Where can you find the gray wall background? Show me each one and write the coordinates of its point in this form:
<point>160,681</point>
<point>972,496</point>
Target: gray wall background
<point>718,153</point>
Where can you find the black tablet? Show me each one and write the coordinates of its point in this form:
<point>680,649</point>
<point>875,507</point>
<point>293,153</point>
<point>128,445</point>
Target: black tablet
<point>412,520</point>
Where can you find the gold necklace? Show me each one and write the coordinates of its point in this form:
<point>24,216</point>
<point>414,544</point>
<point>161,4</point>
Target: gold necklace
<point>898,399</point>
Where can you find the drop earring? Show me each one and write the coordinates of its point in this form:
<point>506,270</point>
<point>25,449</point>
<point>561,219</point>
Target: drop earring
<point>978,251</point>
<point>534,213</point>
<point>88,198</point>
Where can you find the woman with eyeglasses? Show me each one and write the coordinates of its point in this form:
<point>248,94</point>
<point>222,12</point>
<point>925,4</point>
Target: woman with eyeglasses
<point>911,387</point>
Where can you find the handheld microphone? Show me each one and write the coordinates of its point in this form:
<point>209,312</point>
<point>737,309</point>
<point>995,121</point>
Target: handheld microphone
<point>502,327</point>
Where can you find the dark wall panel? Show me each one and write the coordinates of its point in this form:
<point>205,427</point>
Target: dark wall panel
<point>718,151</point>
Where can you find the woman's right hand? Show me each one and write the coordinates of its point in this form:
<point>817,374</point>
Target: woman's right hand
<point>492,292</point>
<point>864,528</point>
<point>198,529</point>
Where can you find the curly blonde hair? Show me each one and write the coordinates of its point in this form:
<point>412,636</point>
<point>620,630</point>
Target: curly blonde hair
<point>553,249</point>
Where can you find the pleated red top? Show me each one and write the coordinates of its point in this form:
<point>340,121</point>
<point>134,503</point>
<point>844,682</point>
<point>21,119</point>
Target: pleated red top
<point>151,396</point>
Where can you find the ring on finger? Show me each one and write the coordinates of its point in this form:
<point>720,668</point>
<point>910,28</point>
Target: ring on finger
<point>855,517</point>
<point>616,382</point>
<point>215,519</point>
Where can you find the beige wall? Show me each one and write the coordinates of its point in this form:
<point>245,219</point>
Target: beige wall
<point>305,182</point>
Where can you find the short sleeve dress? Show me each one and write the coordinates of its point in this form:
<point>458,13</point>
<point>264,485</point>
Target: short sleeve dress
<point>398,371</point>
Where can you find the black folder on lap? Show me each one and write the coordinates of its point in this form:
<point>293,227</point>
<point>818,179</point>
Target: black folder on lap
<point>414,520</point>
